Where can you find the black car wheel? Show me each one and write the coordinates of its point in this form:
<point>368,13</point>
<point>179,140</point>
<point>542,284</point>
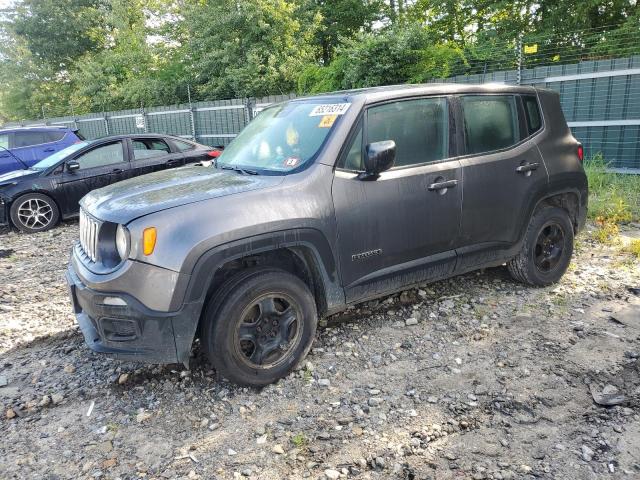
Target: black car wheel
<point>259,326</point>
<point>34,212</point>
<point>546,250</point>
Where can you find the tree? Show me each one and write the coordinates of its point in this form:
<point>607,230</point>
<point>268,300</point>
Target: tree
<point>340,20</point>
<point>241,48</point>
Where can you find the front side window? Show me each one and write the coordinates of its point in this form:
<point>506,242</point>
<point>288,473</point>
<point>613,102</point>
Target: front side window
<point>145,148</point>
<point>420,129</point>
<point>4,140</point>
<point>490,121</point>
<point>283,137</point>
<point>532,113</point>
<point>53,159</point>
<point>101,156</point>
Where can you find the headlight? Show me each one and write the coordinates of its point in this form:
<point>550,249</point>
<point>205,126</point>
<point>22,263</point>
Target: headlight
<point>122,242</point>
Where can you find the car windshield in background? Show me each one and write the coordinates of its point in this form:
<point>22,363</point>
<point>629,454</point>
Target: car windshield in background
<point>284,137</point>
<point>51,160</point>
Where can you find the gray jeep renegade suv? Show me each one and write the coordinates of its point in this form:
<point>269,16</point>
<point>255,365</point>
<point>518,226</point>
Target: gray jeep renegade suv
<point>321,203</point>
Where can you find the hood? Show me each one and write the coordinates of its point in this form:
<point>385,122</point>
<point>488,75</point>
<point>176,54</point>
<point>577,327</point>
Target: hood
<point>125,201</point>
<point>16,176</point>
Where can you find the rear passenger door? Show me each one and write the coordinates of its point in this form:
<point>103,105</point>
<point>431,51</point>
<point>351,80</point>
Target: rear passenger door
<point>52,142</point>
<point>149,154</point>
<point>400,228</point>
<point>502,171</point>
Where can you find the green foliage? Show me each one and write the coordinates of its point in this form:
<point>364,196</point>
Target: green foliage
<point>247,47</point>
<point>59,56</point>
<point>613,197</point>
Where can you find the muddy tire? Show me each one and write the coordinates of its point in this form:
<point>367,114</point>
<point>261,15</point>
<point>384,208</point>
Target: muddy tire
<point>34,212</point>
<point>259,326</point>
<point>546,250</point>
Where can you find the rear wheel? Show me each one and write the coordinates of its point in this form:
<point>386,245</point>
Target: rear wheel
<point>546,250</point>
<point>259,326</point>
<point>34,212</point>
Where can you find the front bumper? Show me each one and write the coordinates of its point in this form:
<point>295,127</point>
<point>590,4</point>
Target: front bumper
<point>132,331</point>
<point>4,213</point>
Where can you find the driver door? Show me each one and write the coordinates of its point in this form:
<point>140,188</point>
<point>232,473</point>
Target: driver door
<point>101,166</point>
<point>399,228</point>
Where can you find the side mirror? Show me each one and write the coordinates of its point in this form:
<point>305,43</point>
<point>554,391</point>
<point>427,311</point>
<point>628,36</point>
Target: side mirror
<point>72,166</point>
<point>379,156</point>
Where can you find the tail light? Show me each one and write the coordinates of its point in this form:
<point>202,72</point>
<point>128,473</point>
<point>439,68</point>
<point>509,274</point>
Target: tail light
<point>214,153</point>
<point>580,153</point>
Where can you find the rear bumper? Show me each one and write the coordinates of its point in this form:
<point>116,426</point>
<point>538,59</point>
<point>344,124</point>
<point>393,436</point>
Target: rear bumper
<point>131,331</point>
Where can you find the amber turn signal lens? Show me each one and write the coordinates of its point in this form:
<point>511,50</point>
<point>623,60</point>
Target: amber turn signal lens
<point>149,237</point>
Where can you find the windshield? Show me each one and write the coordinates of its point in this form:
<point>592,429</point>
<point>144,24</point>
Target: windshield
<point>51,160</point>
<point>284,137</point>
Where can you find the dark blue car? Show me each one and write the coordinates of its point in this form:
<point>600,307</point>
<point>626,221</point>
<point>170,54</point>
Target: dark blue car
<point>24,147</point>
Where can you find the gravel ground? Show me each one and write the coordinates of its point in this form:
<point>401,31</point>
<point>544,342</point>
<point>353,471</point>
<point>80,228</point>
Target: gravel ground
<point>474,377</point>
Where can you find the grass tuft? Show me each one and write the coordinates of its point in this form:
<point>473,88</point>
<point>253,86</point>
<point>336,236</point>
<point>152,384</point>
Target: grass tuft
<point>613,197</point>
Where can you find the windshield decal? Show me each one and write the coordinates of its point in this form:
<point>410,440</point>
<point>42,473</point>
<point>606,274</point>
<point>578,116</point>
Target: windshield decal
<point>329,109</point>
<point>327,121</point>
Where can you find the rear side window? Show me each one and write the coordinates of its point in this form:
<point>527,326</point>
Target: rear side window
<point>183,146</point>
<point>532,113</point>
<point>4,141</point>
<point>490,121</point>
<point>28,139</point>
<point>145,148</point>
<point>420,129</point>
<point>51,137</point>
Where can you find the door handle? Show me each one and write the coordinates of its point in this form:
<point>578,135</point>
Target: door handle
<point>172,162</point>
<point>49,149</point>
<point>442,185</point>
<point>527,167</point>
<point>117,170</point>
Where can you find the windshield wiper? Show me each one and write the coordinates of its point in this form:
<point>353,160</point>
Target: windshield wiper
<point>243,171</point>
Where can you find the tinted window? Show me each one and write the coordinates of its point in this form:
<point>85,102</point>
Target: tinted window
<point>419,127</point>
<point>145,148</point>
<point>490,122</point>
<point>28,139</point>
<point>4,141</point>
<point>532,112</point>
<point>54,136</point>
<point>182,146</point>
<point>105,155</point>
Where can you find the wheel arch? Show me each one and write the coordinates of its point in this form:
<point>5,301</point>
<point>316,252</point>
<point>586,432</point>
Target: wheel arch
<point>305,253</point>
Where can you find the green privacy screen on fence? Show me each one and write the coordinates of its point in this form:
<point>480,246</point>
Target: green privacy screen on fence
<point>600,99</point>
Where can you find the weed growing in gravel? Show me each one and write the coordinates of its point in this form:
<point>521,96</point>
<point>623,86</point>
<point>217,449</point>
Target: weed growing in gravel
<point>299,440</point>
<point>612,196</point>
<point>634,248</point>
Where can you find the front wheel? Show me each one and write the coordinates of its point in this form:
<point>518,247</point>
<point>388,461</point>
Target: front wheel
<point>546,250</point>
<point>259,326</point>
<point>34,212</point>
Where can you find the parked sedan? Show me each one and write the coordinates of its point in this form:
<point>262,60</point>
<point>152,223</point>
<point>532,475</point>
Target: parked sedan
<point>35,199</point>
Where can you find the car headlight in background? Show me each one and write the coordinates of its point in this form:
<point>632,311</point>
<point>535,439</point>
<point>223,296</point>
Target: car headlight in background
<point>122,242</point>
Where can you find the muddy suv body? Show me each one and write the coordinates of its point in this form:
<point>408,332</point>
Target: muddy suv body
<point>321,203</point>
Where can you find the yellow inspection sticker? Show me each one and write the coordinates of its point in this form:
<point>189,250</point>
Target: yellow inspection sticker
<point>327,121</point>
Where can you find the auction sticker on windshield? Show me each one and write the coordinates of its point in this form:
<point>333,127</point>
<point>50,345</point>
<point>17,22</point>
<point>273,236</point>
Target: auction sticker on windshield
<point>327,121</point>
<point>329,109</point>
